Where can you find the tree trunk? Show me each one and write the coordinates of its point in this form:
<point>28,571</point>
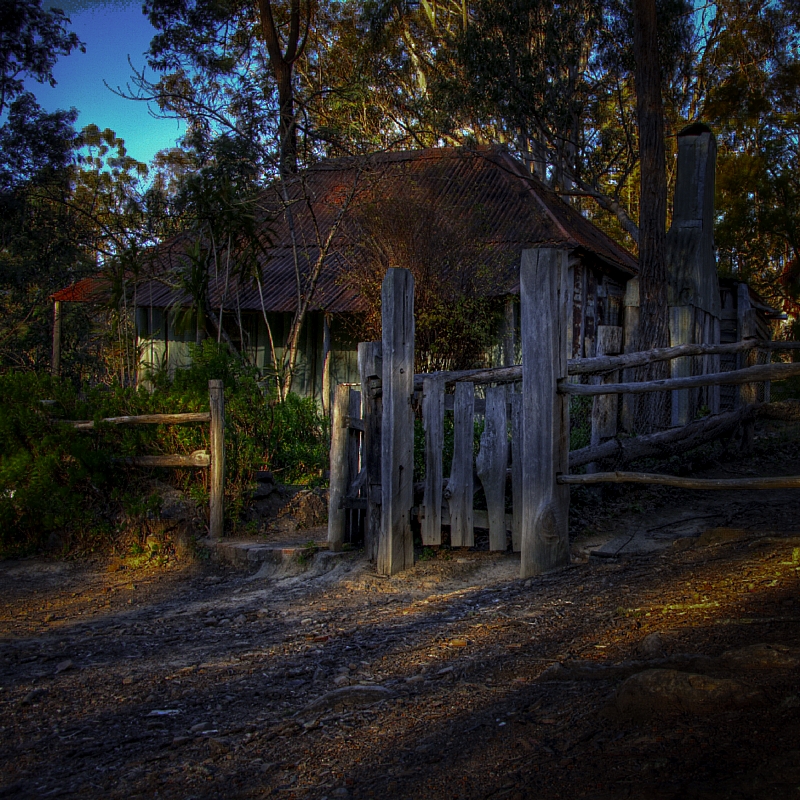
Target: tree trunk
<point>654,323</point>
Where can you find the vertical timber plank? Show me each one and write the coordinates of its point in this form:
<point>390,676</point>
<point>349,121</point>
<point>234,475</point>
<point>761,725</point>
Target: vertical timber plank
<point>545,422</point>
<point>339,479</point>
<point>353,459</point>
<point>681,331</point>
<point>326,363</point>
<point>715,366</point>
<point>516,470</point>
<point>433,420</point>
<point>396,546</point>
<point>459,488</point>
<point>631,315</point>
<point>216,401</point>
<point>370,370</point>
<point>492,462</point>
<point>604,406</point>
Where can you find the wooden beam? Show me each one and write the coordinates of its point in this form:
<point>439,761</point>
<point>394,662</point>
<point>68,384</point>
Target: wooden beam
<point>792,482</point>
<point>339,477</point>
<point>516,471</point>
<point>492,462</point>
<point>663,443</point>
<point>199,458</point>
<point>433,420</point>
<point>216,399</point>
<point>396,546</point>
<point>761,372</point>
<point>370,370</point>
<point>459,489</point>
<point>143,419</point>
<point>545,417</point>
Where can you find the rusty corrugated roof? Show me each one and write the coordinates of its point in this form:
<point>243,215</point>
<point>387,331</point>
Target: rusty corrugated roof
<point>491,194</point>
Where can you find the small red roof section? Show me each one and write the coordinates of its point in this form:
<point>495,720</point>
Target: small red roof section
<point>95,289</point>
<point>494,198</point>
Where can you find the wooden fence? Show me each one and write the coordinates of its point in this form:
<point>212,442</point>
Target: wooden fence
<point>372,449</point>
<point>214,460</point>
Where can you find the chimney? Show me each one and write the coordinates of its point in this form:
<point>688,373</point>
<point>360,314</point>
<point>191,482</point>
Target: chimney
<point>691,262</point>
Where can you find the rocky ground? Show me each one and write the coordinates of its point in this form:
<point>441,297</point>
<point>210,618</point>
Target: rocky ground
<point>668,671</point>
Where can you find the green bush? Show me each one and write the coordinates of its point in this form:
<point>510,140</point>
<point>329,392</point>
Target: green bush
<point>54,478</point>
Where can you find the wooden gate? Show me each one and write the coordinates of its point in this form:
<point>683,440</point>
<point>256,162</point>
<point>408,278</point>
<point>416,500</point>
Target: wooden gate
<point>525,413</point>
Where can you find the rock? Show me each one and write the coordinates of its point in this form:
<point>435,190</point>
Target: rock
<point>556,672</point>
<point>665,691</point>
<point>34,695</point>
<point>341,680</point>
<point>64,666</point>
<point>652,646</point>
<point>263,490</point>
<point>351,697</point>
<point>762,656</point>
<point>219,746</point>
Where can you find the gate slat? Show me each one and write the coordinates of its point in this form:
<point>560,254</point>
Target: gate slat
<point>492,462</point>
<point>433,420</point>
<point>459,487</point>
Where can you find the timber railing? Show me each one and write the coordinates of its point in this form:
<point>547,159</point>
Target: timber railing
<point>213,460</point>
<point>525,413</point>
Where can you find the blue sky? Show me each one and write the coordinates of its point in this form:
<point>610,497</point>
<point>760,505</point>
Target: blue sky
<point>111,31</point>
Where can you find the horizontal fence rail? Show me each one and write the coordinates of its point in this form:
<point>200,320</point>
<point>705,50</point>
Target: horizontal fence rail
<point>600,364</point>
<point>788,482</point>
<point>760,372</point>
<point>144,419</point>
<point>200,458</point>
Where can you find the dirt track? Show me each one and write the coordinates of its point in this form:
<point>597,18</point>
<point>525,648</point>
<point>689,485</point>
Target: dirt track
<point>196,682</point>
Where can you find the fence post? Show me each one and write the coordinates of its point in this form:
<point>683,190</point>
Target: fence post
<point>545,412</point>
<point>370,370</point>
<point>339,467</point>
<point>216,402</point>
<point>396,546</point>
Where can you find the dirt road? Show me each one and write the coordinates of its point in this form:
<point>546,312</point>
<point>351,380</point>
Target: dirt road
<point>630,677</point>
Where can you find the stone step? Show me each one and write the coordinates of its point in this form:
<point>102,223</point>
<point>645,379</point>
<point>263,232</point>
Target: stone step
<point>254,553</point>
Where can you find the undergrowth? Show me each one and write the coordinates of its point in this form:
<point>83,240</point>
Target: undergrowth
<point>54,479</point>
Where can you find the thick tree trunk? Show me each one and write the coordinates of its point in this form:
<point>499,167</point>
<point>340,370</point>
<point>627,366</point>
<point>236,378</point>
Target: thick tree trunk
<point>654,321</point>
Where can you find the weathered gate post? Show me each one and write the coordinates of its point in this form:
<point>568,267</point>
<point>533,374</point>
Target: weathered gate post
<point>370,370</point>
<point>545,413</point>
<point>396,546</point>
<point>216,400</point>
<point>340,477</point>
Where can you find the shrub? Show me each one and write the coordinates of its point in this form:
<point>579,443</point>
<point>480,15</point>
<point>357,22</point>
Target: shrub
<point>54,478</point>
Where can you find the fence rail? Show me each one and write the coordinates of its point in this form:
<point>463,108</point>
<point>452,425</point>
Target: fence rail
<point>789,482</point>
<point>144,419</point>
<point>214,460</point>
